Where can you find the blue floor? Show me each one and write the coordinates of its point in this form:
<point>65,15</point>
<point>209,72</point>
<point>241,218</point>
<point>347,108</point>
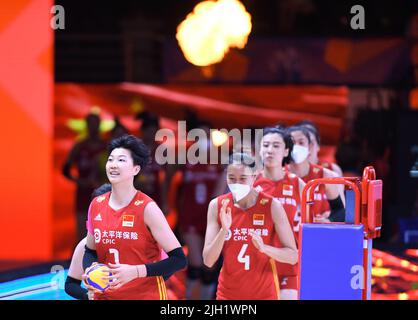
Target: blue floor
<point>49,286</point>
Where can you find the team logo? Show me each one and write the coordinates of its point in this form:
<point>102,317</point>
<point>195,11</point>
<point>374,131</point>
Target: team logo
<point>228,235</point>
<point>128,221</point>
<point>98,218</point>
<point>287,190</point>
<point>258,219</point>
<point>101,198</point>
<point>97,235</point>
<point>138,202</point>
<point>316,170</point>
<point>264,201</point>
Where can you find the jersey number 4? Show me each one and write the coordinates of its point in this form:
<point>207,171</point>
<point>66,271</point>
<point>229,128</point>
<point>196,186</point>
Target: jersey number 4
<point>245,259</point>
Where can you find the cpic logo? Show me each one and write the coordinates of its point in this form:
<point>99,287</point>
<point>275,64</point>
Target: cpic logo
<point>97,235</point>
<point>229,235</point>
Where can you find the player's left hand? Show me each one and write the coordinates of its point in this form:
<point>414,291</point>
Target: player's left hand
<point>122,274</point>
<point>257,241</point>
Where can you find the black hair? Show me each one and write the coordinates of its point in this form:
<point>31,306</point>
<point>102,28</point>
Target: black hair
<point>302,129</point>
<point>280,126</point>
<point>308,123</point>
<point>242,158</point>
<point>104,188</point>
<point>139,151</point>
<point>288,142</point>
<point>312,128</point>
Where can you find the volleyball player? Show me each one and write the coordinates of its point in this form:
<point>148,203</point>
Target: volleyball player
<point>316,146</point>
<point>275,150</point>
<point>74,277</point>
<point>126,230</point>
<point>328,200</point>
<point>242,226</point>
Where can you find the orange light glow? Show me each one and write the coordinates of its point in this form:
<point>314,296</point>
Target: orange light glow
<point>218,138</point>
<point>403,296</point>
<point>380,272</point>
<point>405,263</point>
<point>207,34</point>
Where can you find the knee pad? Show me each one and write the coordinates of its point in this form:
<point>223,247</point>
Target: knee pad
<point>194,273</point>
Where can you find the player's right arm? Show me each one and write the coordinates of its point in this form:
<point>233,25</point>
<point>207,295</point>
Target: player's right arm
<point>215,234</point>
<point>89,257</point>
<point>74,277</point>
<point>90,254</point>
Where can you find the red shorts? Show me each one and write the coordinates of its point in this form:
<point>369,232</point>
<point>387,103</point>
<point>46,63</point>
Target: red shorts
<point>288,282</point>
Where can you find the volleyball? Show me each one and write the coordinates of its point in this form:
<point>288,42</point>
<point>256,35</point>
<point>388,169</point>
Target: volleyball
<point>95,275</point>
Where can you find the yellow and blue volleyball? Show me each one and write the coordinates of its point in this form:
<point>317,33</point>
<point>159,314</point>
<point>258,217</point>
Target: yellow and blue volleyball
<point>95,274</point>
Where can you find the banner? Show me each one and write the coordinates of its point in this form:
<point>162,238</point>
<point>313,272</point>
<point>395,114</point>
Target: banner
<point>26,88</point>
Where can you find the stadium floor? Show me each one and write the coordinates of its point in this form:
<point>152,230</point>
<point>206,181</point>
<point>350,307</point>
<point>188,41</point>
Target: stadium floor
<point>394,277</point>
<point>48,286</point>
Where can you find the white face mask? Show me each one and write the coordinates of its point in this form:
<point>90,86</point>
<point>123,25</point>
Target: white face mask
<point>239,191</point>
<point>299,153</point>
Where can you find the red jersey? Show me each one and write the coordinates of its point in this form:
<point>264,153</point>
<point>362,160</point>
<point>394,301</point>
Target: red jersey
<point>287,192</point>
<point>121,236</point>
<point>246,273</point>
<point>321,204</point>
<point>326,165</point>
<point>199,181</point>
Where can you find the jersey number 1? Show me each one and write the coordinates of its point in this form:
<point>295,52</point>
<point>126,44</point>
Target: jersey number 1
<point>244,259</point>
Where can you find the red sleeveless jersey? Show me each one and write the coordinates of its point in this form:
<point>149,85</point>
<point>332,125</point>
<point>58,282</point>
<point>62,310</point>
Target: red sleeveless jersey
<point>246,273</point>
<point>287,192</point>
<point>199,181</point>
<point>326,165</point>
<point>321,204</point>
<point>121,236</point>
